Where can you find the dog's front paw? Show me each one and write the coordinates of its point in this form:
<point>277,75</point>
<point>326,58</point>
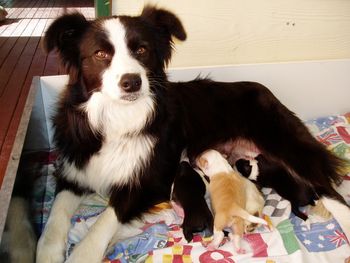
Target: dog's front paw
<point>49,251</point>
<point>83,255</point>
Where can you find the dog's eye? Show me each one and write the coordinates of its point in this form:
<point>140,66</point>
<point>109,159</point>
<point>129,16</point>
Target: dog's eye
<point>141,50</point>
<point>101,54</point>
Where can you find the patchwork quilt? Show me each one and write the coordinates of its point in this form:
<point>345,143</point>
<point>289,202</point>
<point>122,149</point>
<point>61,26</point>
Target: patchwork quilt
<point>160,237</point>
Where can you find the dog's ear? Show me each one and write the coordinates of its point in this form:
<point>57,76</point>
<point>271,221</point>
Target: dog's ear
<point>64,35</point>
<point>166,25</point>
<point>164,21</point>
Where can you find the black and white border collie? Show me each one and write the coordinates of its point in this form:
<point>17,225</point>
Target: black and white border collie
<point>120,126</point>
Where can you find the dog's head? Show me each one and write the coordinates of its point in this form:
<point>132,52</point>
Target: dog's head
<point>118,56</point>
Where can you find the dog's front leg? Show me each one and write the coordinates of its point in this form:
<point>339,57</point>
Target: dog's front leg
<point>92,248</point>
<point>52,243</point>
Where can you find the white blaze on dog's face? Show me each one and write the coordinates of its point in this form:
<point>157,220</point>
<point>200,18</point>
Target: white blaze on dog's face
<point>125,80</point>
<point>211,162</point>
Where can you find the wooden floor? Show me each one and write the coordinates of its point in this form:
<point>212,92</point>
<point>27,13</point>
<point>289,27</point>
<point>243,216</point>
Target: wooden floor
<point>21,58</point>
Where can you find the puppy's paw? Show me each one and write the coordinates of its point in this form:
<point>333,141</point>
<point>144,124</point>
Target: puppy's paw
<point>212,246</point>
<point>197,221</point>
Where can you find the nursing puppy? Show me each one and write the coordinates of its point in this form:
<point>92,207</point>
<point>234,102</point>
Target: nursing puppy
<point>233,198</point>
<point>264,173</point>
<point>120,127</point>
<point>193,200</point>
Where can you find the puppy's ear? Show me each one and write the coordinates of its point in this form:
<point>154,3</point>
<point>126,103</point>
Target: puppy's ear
<point>202,163</point>
<point>165,21</point>
<point>64,35</point>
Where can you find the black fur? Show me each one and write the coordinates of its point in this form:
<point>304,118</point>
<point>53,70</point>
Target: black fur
<point>214,112</point>
<point>189,190</point>
<point>65,34</point>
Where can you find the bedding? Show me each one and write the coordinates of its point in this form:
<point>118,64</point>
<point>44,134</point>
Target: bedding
<point>160,239</point>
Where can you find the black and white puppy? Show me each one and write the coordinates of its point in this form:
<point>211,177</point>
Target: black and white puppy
<point>264,172</point>
<point>189,190</point>
<point>121,126</point>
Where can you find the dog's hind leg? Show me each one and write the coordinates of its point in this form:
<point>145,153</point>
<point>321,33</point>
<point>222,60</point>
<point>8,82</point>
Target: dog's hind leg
<point>340,212</point>
<point>283,137</point>
<point>92,248</point>
<point>52,243</point>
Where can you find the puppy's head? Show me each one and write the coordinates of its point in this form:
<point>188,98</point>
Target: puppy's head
<point>249,168</point>
<point>211,162</point>
<point>117,56</point>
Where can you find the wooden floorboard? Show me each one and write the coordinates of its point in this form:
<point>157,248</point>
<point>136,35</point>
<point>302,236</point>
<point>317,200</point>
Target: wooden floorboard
<point>22,58</point>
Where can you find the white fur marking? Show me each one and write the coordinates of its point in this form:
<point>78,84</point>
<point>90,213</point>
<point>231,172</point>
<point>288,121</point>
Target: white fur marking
<point>184,157</point>
<point>122,62</point>
<point>108,116</point>
<point>255,170</point>
<point>119,160</point>
<point>124,151</point>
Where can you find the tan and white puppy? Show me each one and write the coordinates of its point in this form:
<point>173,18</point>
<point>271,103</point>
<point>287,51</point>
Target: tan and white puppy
<point>234,198</point>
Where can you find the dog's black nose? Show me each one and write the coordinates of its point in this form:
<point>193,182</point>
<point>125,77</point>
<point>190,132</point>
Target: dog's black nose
<point>130,82</point>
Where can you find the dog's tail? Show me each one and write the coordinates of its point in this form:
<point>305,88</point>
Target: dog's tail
<point>340,212</point>
<point>238,211</point>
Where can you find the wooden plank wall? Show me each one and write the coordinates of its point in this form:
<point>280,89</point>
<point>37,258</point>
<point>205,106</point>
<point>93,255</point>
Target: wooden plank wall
<point>230,32</point>
<point>21,58</point>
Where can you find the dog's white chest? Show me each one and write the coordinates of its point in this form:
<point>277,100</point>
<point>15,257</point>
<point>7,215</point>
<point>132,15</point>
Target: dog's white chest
<point>117,163</point>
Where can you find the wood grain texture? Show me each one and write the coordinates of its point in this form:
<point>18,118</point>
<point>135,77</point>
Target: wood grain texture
<point>22,58</point>
<point>254,31</point>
